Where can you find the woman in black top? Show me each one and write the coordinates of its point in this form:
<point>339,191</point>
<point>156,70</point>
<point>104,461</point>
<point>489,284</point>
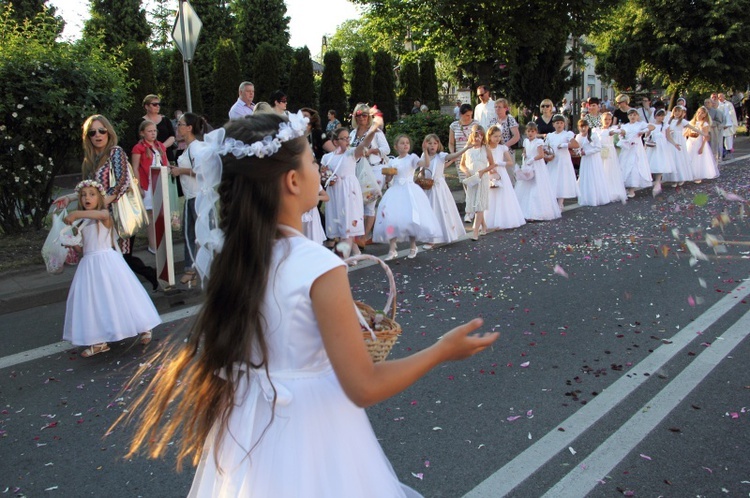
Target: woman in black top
<point>544,122</point>
<point>621,113</point>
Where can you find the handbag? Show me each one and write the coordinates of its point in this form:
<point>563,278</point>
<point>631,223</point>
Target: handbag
<point>128,211</point>
<point>549,153</point>
<point>471,181</point>
<point>367,182</point>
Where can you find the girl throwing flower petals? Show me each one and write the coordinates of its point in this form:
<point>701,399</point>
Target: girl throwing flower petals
<point>633,160</point>
<point>106,301</point>
<point>534,188</point>
<point>503,210</point>
<point>591,181</point>
<point>699,147</point>
<point>610,161</point>
<point>562,174</point>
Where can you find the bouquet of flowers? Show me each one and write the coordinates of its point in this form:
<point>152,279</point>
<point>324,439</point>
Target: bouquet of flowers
<point>327,177</point>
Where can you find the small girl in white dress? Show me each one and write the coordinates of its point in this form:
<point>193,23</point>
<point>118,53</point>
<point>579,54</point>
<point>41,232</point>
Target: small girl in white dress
<point>702,159</point>
<point>633,161</point>
<point>592,184</point>
<point>476,163</point>
<point>503,211</point>
<point>610,161</point>
<point>682,171</point>
<point>535,195</point>
<point>404,212</point>
<point>562,174</point>
<point>659,150</point>
<point>106,302</point>
<point>440,196</point>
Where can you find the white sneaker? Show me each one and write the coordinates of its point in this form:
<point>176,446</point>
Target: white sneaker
<point>468,218</point>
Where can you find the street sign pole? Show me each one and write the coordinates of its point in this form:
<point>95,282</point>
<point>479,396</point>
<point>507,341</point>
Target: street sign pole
<point>185,67</point>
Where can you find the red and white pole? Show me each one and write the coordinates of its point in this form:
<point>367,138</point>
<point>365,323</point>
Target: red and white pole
<point>162,225</point>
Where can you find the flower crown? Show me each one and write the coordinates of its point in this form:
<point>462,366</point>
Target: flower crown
<point>91,183</point>
<point>208,169</point>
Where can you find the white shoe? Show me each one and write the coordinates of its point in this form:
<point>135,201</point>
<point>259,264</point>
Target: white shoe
<point>391,256</point>
<point>427,247</point>
<point>413,253</point>
<point>468,218</point>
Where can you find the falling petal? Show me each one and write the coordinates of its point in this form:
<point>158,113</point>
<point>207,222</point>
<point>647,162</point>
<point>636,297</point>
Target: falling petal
<point>513,418</point>
<point>572,451</point>
<point>344,248</point>
<point>418,475</point>
<point>691,301</point>
<point>645,457</point>
<point>560,271</point>
<point>524,364</point>
<point>695,251</point>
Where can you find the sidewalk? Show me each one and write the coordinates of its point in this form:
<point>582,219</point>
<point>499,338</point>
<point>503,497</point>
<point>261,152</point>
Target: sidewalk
<point>31,287</point>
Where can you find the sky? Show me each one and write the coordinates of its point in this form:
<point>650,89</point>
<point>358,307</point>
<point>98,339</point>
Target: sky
<point>307,24</point>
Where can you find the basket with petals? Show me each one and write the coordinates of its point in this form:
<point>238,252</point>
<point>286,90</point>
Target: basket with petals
<point>379,328</point>
<point>422,180</point>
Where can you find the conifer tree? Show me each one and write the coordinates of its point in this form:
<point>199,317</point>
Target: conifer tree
<point>361,80</point>
<point>332,95</point>
<point>266,77</point>
<point>227,76</point>
<point>163,15</point>
<point>428,80</point>
<point>410,88</point>
<point>258,22</point>
<point>301,81</point>
<point>384,85</point>
<point>121,21</point>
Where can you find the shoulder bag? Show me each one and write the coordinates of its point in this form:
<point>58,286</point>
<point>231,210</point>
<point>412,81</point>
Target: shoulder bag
<point>128,211</point>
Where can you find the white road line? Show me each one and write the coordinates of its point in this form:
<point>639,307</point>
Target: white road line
<point>586,475</point>
<point>507,478</point>
<point>58,347</point>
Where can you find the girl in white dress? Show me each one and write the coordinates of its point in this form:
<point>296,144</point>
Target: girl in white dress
<point>476,163</point>
<point>592,184</point>
<point>503,211</point>
<point>561,171</point>
<point>633,161</point>
<point>683,171</point>
<point>267,393</point>
<point>312,227</point>
<point>702,160</point>
<point>404,212</point>
<point>535,195</point>
<point>345,208</point>
<point>610,162</point>
<point>440,196</point>
<point>659,155</point>
<point>106,302</point>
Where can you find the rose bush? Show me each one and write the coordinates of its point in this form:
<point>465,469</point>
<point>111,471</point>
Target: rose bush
<point>47,89</point>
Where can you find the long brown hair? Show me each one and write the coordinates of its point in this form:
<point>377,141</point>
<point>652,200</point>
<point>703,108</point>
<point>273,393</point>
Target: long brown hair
<point>230,325</point>
<point>92,160</point>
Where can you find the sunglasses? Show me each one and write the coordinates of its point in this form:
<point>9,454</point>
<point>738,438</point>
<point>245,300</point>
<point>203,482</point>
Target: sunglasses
<point>346,139</point>
<point>100,131</point>
<point>546,105</point>
<point>155,104</point>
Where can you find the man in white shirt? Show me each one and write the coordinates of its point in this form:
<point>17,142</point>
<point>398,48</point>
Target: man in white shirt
<point>646,112</point>
<point>457,110</point>
<point>485,109</point>
<point>244,105</point>
<point>730,123</point>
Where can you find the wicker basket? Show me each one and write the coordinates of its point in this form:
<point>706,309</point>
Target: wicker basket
<point>388,171</point>
<point>379,342</point>
<point>422,180</point>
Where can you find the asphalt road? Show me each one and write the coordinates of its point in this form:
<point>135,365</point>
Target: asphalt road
<point>621,367</point>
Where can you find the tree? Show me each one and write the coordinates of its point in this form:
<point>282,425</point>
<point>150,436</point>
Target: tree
<point>266,77</point>
<point>332,95</point>
<point>47,89</point>
<point>226,75</point>
<point>361,81</point>
<point>141,73</point>
<point>258,22</point>
<point>301,81</point>
<point>121,21</point>
<point>409,86</point>
<point>384,86</point>
<point>428,79</point>
<point>163,16</point>
<point>540,77</point>
<point>29,9</point>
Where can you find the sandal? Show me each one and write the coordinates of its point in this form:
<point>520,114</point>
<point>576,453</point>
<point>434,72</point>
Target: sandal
<point>145,337</point>
<point>190,277</point>
<point>94,349</point>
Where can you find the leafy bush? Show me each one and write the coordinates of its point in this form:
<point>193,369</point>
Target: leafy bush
<point>417,126</point>
<point>47,89</point>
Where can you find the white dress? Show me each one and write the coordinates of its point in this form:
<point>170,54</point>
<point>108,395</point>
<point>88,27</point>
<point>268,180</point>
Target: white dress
<point>636,172</point>
<point>316,443</point>
<point>561,171</point>
<point>477,196</point>
<point>404,211</point>
<point>611,165</point>
<point>703,165</point>
<point>536,196</point>
<point>443,204</point>
<point>312,226</point>
<point>682,171</point>
<point>106,302</point>
<point>503,210</point>
<point>344,210</point>
<point>592,183</point>
<point>660,156</point>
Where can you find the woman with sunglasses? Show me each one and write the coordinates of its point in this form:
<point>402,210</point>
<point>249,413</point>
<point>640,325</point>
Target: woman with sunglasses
<point>102,155</point>
<point>544,122</point>
<point>278,100</point>
<point>164,129</point>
